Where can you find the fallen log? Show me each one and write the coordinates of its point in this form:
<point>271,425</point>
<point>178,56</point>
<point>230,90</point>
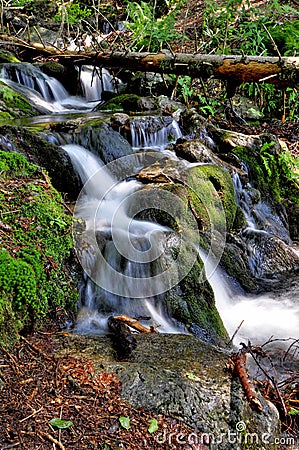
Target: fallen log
<point>237,69</point>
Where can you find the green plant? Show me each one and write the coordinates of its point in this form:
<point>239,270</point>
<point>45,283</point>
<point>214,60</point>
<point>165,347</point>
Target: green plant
<point>72,13</point>
<point>149,32</point>
<point>186,89</point>
<point>6,93</point>
<point>272,101</point>
<point>153,425</point>
<point>268,158</point>
<point>125,422</point>
<point>288,165</point>
<point>60,423</point>
<point>241,28</point>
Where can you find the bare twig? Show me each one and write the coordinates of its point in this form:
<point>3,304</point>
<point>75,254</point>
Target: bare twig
<point>234,335</point>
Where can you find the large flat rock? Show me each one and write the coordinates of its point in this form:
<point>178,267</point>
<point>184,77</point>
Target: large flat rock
<point>184,377</point>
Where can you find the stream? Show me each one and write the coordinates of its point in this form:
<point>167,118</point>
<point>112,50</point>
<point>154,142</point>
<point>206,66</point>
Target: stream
<point>125,276</point>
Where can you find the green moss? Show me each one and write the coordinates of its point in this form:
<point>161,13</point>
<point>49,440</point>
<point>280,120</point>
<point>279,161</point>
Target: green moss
<point>286,37</point>
<point>15,104</point>
<point>211,193</point>
<point>271,171</point>
<point>5,116</point>
<point>125,102</point>
<point>14,164</point>
<point>34,248</point>
<point>7,57</point>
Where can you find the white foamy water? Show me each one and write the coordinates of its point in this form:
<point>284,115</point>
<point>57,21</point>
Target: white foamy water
<point>49,95</point>
<point>115,250</point>
<point>273,314</point>
<point>96,80</point>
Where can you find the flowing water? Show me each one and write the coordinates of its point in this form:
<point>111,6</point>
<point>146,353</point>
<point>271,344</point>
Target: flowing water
<point>120,277</point>
<point>105,203</point>
<point>48,95</point>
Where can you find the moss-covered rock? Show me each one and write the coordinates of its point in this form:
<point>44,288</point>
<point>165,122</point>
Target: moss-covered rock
<point>191,300</point>
<point>13,105</point>
<point>211,192</point>
<point>41,152</point>
<point>124,102</point>
<point>36,248</point>
<point>7,57</point>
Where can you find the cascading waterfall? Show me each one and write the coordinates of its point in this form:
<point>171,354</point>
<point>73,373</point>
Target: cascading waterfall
<point>49,95</point>
<point>259,216</point>
<point>274,314</point>
<point>265,315</point>
<point>101,197</point>
<point>96,80</point>
<point>262,226</point>
<point>154,132</point>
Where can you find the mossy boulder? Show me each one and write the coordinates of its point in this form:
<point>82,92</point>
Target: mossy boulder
<point>212,195</point>
<point>13,105</point>
<point>124,102</point>
<point>177,199</point>
<point>36,249</point>
<point>44,154</point>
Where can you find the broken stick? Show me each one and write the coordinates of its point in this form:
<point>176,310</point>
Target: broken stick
<point>239,368</point>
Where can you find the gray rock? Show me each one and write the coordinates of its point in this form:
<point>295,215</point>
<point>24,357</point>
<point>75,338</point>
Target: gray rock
<point>182,376</point>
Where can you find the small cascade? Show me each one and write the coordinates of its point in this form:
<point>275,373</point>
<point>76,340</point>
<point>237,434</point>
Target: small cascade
<point>34,79</point>
<point>119,253</point>
<point>154,132</point>
<point>96,80</point>
<point>46,93</point>
<point>49,95</point>
<point>267,238</point>
<point>259,216</point>
<point>273,314</point>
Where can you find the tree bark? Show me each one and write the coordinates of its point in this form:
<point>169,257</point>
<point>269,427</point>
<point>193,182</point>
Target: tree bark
<point>238,69</point>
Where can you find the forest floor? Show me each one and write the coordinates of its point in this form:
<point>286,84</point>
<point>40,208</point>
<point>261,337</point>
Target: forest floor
<point>37,385</point>
<point>40,384</point>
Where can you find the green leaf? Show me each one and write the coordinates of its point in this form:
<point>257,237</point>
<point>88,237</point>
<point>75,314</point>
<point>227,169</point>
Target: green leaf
<point>192,377</point>
<point>125,422</point>
<point>59,423</point>
<point>153,425</point>
<point>106,447</point>
<point>293,411</point>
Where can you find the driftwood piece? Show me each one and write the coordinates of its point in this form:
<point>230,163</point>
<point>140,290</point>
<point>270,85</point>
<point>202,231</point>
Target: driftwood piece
<point>237,69</point>
<point>133,323</point>
<point>239,368</point>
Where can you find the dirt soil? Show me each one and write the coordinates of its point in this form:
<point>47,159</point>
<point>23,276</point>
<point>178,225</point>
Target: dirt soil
<point>37,385</point>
